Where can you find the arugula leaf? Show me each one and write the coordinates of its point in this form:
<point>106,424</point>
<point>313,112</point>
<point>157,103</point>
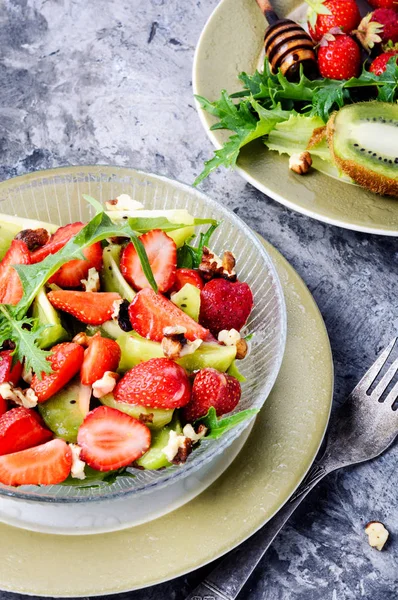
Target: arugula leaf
<point>268,99</point>
<point>238,118</point>
<point>25,334</point>
<point>142,225</point>
<point>190,257</point>
<point>34,276</point>
<point>217,427</point>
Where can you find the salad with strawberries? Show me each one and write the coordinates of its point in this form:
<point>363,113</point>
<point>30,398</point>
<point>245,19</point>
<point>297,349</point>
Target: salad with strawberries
<point>339,116</point>
<point>119,342</point>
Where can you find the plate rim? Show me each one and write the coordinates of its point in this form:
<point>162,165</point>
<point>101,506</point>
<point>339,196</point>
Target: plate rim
<point>254,182</point>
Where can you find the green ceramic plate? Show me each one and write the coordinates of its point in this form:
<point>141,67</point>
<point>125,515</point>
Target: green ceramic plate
<point>280,450</point>
<point>231,42</point>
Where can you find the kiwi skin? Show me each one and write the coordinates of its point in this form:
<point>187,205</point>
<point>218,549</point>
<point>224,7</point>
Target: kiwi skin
<point>366,178</point>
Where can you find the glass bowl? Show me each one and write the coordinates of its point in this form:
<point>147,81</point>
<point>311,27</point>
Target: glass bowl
<point>56,196</point>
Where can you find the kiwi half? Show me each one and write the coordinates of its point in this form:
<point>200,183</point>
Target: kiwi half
<point>363,141</point>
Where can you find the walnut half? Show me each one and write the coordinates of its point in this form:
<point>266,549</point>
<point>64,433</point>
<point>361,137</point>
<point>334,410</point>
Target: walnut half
<point>213,266</point>
<point>300,163</point>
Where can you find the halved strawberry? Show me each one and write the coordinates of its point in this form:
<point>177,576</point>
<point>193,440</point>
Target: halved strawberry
<point>8,372</point>
<point>21,428</point>
<point>3,406</point>
<point>150,313</point>
<point>66,360</point>
<point>162,255</point>
<point>56,241</point>
<point>110,439</point>
<point>72,272</point>
<point>184,276</point>
<point>157,383</point>
<point>101,355</point>
<point>47,464</point>
<point>225,305</point>
<point>212,388</point>
<point>11,290</point>
<point>93,308</point>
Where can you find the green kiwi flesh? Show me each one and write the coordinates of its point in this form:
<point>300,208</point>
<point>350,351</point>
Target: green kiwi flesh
<point>363,141</point>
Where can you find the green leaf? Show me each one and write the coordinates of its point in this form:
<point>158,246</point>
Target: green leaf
<point>146,267</point>
<point>234,371</point>
<point>97,205</point>
<point>190,257</point>
<point>25,333</point>
<point>217,427</point>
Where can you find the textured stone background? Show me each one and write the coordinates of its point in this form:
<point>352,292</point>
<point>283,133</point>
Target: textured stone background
<point>100,81</point>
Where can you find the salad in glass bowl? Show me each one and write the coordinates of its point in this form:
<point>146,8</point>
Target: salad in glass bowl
<point>119,344</point>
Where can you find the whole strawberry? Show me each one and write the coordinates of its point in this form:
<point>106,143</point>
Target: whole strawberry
<point>380,26</point>
<point>339,57</point>
<point>323,15</point>
<point>225,305</point>
<point>212,388</point>
<point>384,4</point>
<point>379,65</point>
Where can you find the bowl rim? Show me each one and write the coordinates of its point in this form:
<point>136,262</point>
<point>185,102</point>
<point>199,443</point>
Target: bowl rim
<point>192,467</point>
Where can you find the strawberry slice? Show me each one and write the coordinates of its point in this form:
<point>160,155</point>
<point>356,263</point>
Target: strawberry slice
<point>150,313</point>
<point>8,372</point>
<point>56,241</point>
<point>21,428</point>
<point>101,355</point>
<point>93,308</point>
<point>11,290</point>
<point>71,273</point>
<point>66,360</point>
<point>111,439</point>
<point>225,305</point>
<point>162,255</point>
<point>184,276</point>
<point>3,406</point>
<point>212,388</point>
<point>47,464</point>
<point>157,383</point>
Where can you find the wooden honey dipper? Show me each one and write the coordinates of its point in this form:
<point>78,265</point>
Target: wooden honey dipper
<point>287,45</point>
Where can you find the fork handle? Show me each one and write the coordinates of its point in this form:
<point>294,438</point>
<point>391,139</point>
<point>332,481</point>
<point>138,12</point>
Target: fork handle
<point>228,578</point>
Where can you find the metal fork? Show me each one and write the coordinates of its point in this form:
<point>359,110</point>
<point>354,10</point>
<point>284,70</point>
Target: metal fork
<point>363,428</point>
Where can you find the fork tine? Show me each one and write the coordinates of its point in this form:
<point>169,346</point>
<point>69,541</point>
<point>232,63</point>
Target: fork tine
<point>370,375</point>
<point>384,382</point>
<point>392,395</point>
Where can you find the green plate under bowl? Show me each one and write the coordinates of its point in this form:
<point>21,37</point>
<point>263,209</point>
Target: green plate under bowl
<point>280,450</point>
<point>232,42</point>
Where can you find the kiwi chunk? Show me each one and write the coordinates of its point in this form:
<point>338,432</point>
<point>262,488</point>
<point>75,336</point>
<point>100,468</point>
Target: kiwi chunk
<point>64,412</point>
<point>155,458</point>
<point>160,417</point>
<point>188,299</point>
<point>46,314</point>
<point>363,141</point>
<point>111,276</point>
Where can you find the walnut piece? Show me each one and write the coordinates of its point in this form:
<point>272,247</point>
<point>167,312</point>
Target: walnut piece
<point>106,384</point>
<point>377,533</point>
<point>213,266</point>
<point>146,418</point>
<point>174,343</point>
<point>241,349</point>
<point>183,452</point>
<point>300,163</point>
<point>77,470</point>
<point>232,338</point>
<point>171,347</point>
<point>33,238</point>
<point>92,283</point>
<point>26,398</point>
<point>82,339</point>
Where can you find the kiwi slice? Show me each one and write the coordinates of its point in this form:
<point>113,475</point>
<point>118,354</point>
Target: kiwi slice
<point>363,141</point>
<point>111,276</point>
<point>160,417</point>
<point>188,299</point>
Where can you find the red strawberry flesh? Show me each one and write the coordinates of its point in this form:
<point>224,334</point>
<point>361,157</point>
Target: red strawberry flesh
<point>21,428</point>
<point>162,255</point>
<point>212,388</point>
<point>184,276</point>
<point>93,308</point>
<point>339,58</point>
<point>47,464</point>
<point>111,439</point>
<point>156,383</point>
<point>66,360</point>
<point>101,355</point>
<point>150,313</point>
<point>225,305</point>
<point>11,290</point>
